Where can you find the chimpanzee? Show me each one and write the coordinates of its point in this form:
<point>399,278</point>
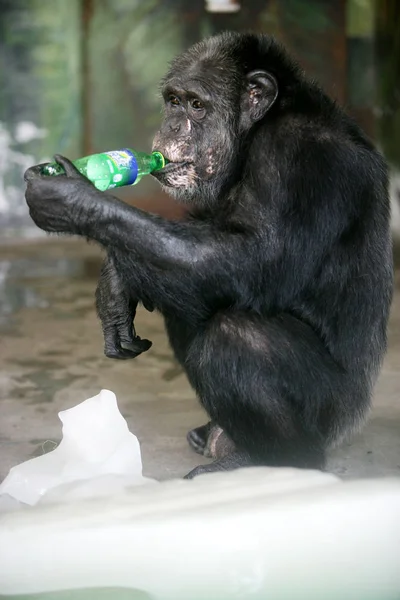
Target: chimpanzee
<point>276,288</point>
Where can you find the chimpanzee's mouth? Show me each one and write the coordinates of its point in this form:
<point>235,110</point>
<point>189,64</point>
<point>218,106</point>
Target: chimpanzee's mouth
<point>171,167</point>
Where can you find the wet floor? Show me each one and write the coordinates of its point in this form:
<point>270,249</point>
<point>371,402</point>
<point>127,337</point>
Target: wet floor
<point>51,358</point>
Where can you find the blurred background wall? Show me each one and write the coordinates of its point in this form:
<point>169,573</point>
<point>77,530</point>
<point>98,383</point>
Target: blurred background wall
<point>80,76</point>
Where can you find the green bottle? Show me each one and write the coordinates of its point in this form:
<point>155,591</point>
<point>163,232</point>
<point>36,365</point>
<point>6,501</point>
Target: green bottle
<point>113,169</point>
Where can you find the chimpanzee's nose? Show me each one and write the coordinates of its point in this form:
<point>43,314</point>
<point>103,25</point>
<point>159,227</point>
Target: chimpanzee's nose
<point>175,127</point>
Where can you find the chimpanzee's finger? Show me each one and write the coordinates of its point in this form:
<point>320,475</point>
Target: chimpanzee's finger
<point>69,168</point>
<point>137,346</point>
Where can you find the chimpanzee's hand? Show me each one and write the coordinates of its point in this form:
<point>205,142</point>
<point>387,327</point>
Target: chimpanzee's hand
<point>65,203</point>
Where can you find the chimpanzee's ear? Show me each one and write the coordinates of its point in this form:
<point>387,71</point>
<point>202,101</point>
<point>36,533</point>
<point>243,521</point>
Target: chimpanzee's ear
<point>261,91</point>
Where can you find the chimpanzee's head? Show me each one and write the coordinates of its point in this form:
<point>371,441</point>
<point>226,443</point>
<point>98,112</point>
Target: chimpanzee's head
<point>214,95</point>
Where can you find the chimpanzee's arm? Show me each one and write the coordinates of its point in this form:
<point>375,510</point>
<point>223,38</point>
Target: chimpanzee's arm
<point>171,264</point>
<point>160,242</point>
<point>183,267</point>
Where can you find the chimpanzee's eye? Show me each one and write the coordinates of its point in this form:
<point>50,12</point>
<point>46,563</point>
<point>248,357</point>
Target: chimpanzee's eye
<point>197,104</point>
<point>174,100</point>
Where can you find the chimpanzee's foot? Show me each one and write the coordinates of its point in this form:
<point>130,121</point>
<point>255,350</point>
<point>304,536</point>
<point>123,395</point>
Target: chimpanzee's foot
<point>228,463</point>
<point>211,441</point>
<point>198,437</point>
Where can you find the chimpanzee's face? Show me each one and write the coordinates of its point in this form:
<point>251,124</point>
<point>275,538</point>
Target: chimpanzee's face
<point>198,132</point>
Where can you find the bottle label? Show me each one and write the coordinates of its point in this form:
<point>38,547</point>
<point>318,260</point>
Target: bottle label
<point>124,166</point>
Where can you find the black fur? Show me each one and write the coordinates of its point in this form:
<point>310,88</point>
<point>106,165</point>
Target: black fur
<point>276,289</point>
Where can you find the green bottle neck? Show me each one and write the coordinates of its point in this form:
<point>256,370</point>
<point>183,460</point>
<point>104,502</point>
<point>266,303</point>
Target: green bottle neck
<point>158,161</point>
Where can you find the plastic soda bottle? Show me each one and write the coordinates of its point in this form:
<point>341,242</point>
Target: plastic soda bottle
<point>113,169</point>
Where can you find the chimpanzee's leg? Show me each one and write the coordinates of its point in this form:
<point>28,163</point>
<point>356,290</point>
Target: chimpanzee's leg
<point>273,387</point>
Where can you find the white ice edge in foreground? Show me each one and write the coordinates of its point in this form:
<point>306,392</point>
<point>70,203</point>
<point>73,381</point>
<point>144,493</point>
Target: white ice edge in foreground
<point>253,533</point>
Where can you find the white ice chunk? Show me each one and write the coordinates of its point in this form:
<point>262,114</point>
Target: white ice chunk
<point>97,454</point>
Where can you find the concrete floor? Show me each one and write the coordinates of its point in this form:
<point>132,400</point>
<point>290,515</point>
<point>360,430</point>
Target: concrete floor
<point>51,358</point>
